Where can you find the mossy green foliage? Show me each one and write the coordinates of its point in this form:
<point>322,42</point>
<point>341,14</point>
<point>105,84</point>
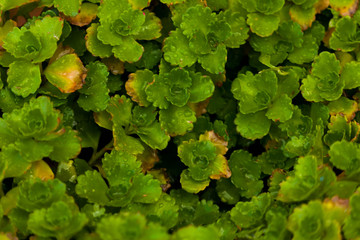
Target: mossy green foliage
<point>179,119</point>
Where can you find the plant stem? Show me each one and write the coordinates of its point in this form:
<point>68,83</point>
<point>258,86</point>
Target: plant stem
<point>98,154</point>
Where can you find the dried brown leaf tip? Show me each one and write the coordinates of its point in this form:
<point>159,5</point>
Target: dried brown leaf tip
<point>87,14</point>
<point>345,7</point>
<point>66,73</point>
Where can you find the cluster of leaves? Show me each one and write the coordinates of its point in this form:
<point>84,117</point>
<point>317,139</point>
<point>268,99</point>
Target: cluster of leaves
<point>179,119</point>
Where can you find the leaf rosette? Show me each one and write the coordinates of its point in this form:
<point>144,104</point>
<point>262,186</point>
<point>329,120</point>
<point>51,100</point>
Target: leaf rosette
<point>205,159</point>
<point>37,119</point>
<point>36,194</point>
<point>203,36</point>
<point>34,132</point>
<point>61,220</point>
<point>178,87</point>
<point>121,28</point>
<point>36,43</point>
<point>324,82</point>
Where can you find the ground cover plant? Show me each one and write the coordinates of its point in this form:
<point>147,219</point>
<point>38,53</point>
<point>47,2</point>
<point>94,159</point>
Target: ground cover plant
<point>179,119</point>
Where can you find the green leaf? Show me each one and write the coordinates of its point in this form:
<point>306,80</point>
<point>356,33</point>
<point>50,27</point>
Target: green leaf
<point>263,25</point>
<point>310,222</point>
<point>306,52</point>
<point>94,93</point>
<point>352,223</point>
<point>136,85</point>
<point>281,109</point>
<point>85,15</point>
<point>129,50</point>
<point>92,187</point>
<point>202,88</point>
<point>120,110</point>
<point>350,75</point>
<point>214,62</point>
<point>153,136</point>
<point>32,150</point>
<point>205,160</point>
<point>323,64</point>
<point>118,25</point>
<point>36,194</point>
<point>123,142</point>
<point>298,125</point>
<point>126,225</point>
<point>344,107</point>
<point>273,159</point>
<point>249,214</point>
<point>289,83</point>
<point>67,146</point>
<point>6,5</point>
<point>150,29</point>
<point>344,155</point>
<point>345,37</point>
<point>139,4</point>
<point>269,7</point>
<point>343,189</point>
<point>319,112</point>
<point>128,23</point>
<point>143,116</point>
<point>120,167</point>
<point>68,7</point>
<point>178,81</point>
<point>199,232</point>
<point>339,129</point>
<point>35,119</point>
<point>14,165</point>
<point>19,218</point>
<point>94,45</point>
<point>206,213</point>
<point>324,82</point>
<point>303,16</point>
<point>23,78</point>
<point>146,189</point>
<point>245,173</point>
<point>254,93</point>
<point>190,185</point>
<point>239,29</point>
<point>265,45</point>
<point>88,131</point>
<point>276,219</point>
<point>307,182</point>
<point>217,5</point>
<point>195,18</point>
<point>158,90</point>
<point>187,203</point>
<point>164,211</point>
<point>66,73</point>
<point>48,30</point>
<point>176,49</point>
<point>22,43</point>
<point>172,87</point>
<point>227,191</point>
<point>61,220</point>
<point>150,58</point>
<point>291,32</point>
<point>177,120</point>
<point>252,125</point>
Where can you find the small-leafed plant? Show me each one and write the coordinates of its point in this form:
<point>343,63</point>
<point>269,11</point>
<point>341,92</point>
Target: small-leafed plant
<point>179,119</point>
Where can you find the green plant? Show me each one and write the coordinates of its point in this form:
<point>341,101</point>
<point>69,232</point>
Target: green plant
<point>179,119</point>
